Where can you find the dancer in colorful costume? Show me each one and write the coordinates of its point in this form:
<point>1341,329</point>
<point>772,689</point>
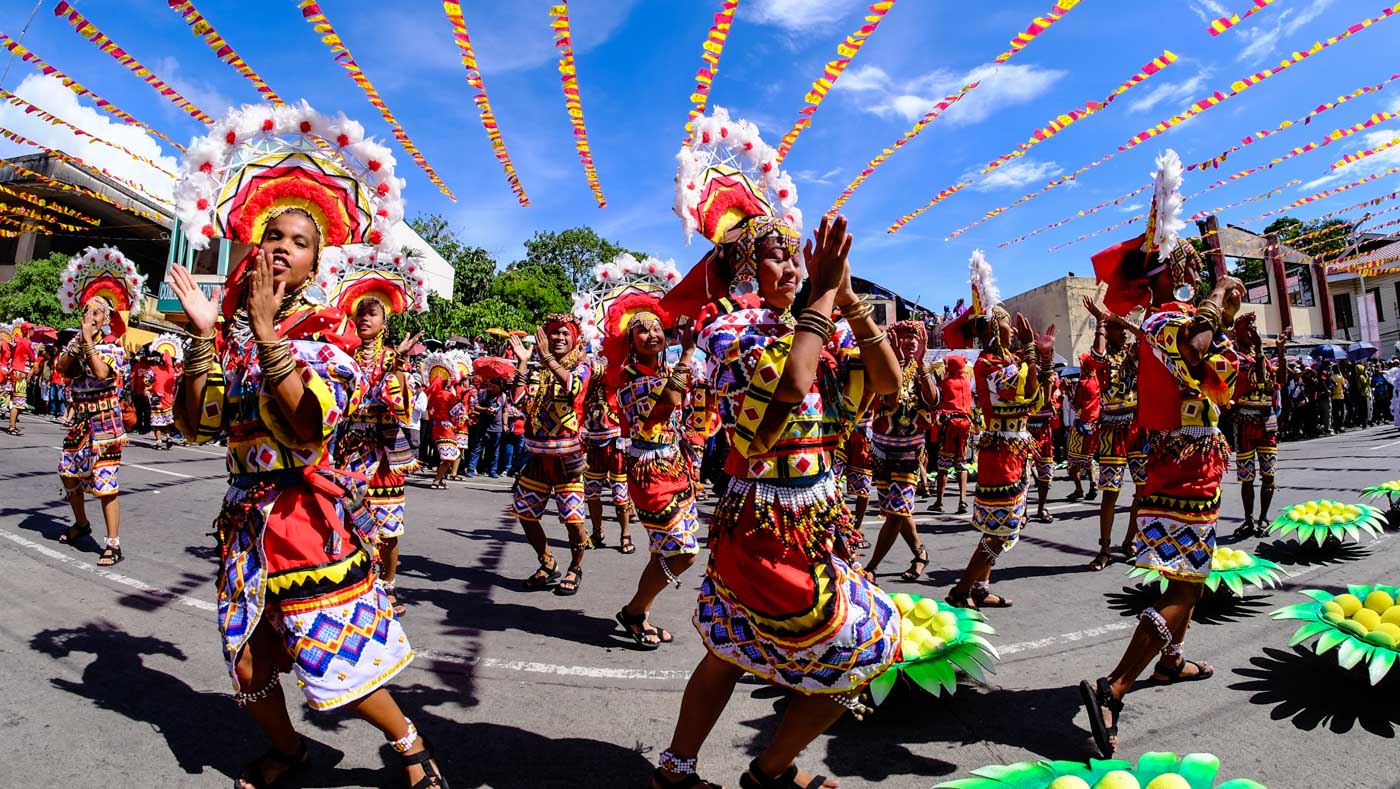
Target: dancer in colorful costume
<point>606,456</point>
<point>444,404</point>
<point>1122,444</point>
<point>21,364</point>
<point>1040,425</point>
<point>297,585</point>
<point>1083,405</point>
<point>160,385</point>
<point>368,287</point>
<point>1187,371</point>
<point>553,418</point>
<point>7,342</point>
<point>1256,420</point>
<point>1011,385</point>
<point>464,415</point>
<point>101,283</point>
<point>781,598</point>
<point>851,464</point>
<point>955,423</point>
<point>897,440</point>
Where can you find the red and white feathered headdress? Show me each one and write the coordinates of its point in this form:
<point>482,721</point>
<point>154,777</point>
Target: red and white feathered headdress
<point>624,291</point>
<point>1129,285</point>
<point>986,300</point>
<point>439,367</point>
<point>169,346</point>
<point>103,274</point>
<point>351,274</point>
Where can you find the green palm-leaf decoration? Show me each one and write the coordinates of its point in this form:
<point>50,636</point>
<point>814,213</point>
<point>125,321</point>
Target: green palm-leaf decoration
<point>1363,625</point>
<point>1196,770</point>
<point>1230,568</point>
<point>960,645</point>
<point>1324,519</point>
<point>1389,490</point>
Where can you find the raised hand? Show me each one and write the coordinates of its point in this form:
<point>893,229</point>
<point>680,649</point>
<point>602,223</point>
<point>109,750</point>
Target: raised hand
<point>826,256</point>
<point>264,298</point>
<point>685,333</point>
<point>1232,293</point>
<point>1099,313</point>
<point>1045,342</point>
<point>1024,333</point>
<point>199,308</point>
<point>518,348</point>
<point>541,342</point>
<point>408,343</point>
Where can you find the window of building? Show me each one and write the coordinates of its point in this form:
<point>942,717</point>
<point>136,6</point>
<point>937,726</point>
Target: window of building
<point>1251,272</point>
<point>881,314</point>
<point>1341,311</point>
<point>1300,285</point>
<point>1375,294</point>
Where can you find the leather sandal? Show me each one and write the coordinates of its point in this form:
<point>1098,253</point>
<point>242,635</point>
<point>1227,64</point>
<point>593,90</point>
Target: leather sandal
<point>75,532</point>
<point>566,587</point>
<point>755,779</point>
<point>916,567</point>
<point>432,778</point>
<point>1097,698</point>
<point>1104,557</point>
<point>1164,675</point>
<point>251,776</point>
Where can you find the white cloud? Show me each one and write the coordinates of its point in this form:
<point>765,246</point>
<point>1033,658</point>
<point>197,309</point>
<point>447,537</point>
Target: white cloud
<point>50,95</point>
<point>1359,169</point>
<point>1002,86</point>
<point>799,14</point>
<point>1170,92</point>
<point>813,177</point>
<point>1132,208</point>
<point>1259,42</point>
<point>1015,174</point>
<point>1313,11</point>
<point>1209,10</point>
<point>205,96</point>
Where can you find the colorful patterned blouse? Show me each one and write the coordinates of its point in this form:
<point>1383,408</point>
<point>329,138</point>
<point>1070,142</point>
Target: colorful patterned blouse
<point>1117,372</point>
<point>1002,385</point>
<point>554,411</point>
<point>1172,397</point>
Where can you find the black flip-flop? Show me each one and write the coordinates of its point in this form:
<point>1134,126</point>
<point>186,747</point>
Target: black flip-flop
<point>1094,702</point>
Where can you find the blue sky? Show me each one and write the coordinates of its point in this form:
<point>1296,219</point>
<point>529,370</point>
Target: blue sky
<point>637,60</point>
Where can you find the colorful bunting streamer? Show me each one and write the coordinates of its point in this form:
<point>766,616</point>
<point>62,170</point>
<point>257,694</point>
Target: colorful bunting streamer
<point>1196,109</point>
<point>1364,203</point>
<point>221,48</point>
<point>1099,232</point>
<point>846,50</point>
<point>938,198</point>
<point>713,48</point>
<point>9,135</point>
<point>1037,26</point>
<point>1060,123</point>
<point>1077,215</point>
<point>1226,22</point>
<point>1357,264</point>
<point>44,68</point>
<point>483,103</point>
<point>54,120</point>
<point>24,227</point>
<point>89,31</point>
<point>1359,155</point>
<point>57,208</point>
<point>568,77</point>
<point>83,190</point>
<point>1326,193</point>
<point>311,12</point>
<point>1241,85</point>
<point>1201,215</point>
<point>1334,135</point>
<point>32,213</point>
<point>870,166</point>
<point>1253,199</point>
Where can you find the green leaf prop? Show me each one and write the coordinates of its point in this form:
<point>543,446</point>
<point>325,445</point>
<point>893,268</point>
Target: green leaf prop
<point>1198,770</point>
<point>1311,521</point>
<point>1372,642</point>
<point>936,669</point>
<point>1234,573</point>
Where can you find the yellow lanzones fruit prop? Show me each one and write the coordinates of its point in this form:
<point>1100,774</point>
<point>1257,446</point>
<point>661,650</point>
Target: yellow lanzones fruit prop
<point>1118,779</point>
<point>903,602</point>
<point>1366,618</point>
<point>1169,781</point>
<point>1068,782</point>
<point>1349,603</point>
<point>1391,615</point>
<point>1379,601</point>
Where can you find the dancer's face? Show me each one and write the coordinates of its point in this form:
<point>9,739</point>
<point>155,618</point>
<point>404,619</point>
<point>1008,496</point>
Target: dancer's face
<point>369,319</point>
<point>779,272</point>
<point>648,339</point>
<point>290,242</point>
<point>908,346</point>
<point>561,340</point>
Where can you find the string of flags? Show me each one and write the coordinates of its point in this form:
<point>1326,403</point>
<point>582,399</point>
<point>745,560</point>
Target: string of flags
<point>483,103</point>
<point>573,103</point>
<point>222,50</point>
<point>711,50</point>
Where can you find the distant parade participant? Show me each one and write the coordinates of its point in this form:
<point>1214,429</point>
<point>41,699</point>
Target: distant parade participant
<point>899,430</point>
<point>1041,427</point>
<point>100,282</point>
<point>21,364</point>
<point>553,419</point>
<point>1187,371</point>
<point>781,598</point>
<point>444,405</point>
<point>7,341</point>
<point>852,463</point>
<point>160,386</point>
<point>372,286</point>
<point>467,425</point>
<point>605,454</point>
<point>1011,385</point>
<point>1122,443</point>
<point>1256,420</point>
<point>1082,406</point>
<point>955,426</point>
<point>297,586</point>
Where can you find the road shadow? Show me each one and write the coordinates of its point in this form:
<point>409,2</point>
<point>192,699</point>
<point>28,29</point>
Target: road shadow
<point>1297,554</point>
<point>1216,608</point>
<point>119,680</point>
<point>1315,693</point>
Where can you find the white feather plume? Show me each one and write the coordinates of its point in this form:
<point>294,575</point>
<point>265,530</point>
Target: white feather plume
<point>980,276</point>
<point>1167,202</point>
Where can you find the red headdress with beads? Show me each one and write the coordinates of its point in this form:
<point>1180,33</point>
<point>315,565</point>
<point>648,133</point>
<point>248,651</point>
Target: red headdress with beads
<point>1161,245</point>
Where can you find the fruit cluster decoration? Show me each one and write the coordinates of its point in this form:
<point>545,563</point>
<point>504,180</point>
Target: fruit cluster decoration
<point>936,640</point>
<point>1229,566</point>
<point>1153,771</point>
<point>1390,490</point>
<point>1324,519</point>
<point>1363,625</point>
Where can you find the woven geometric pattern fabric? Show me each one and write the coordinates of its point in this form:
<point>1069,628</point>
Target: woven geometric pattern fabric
<point>1111,476</point>
<point>97,471</point>
<point>1176,543</point>
<point>860,647</point>
<point>448,450</point>
<point>531,498</point>
<point>999,510</point>
<point>388,517</point>
<point>344,652</point>
<point>673,531</point>
<point>897,497</point>
<point>1044,470</point>
<point>1245,467</point>
<point>1268,461</point>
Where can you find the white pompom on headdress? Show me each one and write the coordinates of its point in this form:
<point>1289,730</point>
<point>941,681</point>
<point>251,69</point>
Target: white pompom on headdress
<point>985,294</point>
<point>1165,219</point>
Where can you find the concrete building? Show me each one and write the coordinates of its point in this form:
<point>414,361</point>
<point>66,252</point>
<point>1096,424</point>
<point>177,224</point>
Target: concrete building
<point>1376,317</point>
<point>1061,303</point>
<point>890,307</point>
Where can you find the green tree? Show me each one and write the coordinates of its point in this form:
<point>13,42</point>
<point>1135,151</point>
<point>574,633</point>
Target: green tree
<point>1326,240</point>
<point>32,294</point>
<point>495,313</point>
<point>538,289</point>
<point>574,251</point>
<point>473,268</point>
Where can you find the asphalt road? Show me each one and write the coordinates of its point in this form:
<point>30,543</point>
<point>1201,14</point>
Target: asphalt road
<point>113,677</point>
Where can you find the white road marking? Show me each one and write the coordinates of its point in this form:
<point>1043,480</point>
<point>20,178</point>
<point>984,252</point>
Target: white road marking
<point>1065,638</point>
<point>532,667</point>
<point>110,575</point>
<point>1383,446</point>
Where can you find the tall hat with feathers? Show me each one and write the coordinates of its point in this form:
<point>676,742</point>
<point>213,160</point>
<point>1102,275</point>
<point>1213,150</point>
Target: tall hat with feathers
<point>440,368</point>
<point>1128,267</point>
<point>730,190</point>
<point>625,291</point>
<point>986,300</point>
<point>350,275</point>
<point>461,364</point>
<point>7,330</point>
<point>103,274</point>
<point>261,161</point>
<point>169,346</point>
